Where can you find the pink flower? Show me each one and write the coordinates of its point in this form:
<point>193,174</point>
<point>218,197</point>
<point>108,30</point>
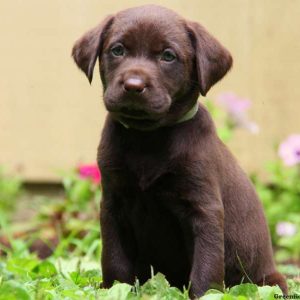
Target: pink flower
<point>286,229</point>
<point>236,109</point>
<point>90,172</point>
<point>233,104</point>
<point>289,150</point>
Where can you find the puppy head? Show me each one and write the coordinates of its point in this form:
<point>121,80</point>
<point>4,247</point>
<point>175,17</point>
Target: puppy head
<point>153,64</point>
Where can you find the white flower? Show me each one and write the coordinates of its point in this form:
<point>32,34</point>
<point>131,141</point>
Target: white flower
<point>286,229</point>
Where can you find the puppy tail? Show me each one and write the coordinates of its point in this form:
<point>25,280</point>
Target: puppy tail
<point>275,279</point>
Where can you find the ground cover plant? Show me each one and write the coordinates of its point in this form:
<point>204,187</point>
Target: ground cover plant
<point>55,252</point>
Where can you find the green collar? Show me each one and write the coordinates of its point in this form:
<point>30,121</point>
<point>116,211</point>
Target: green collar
<point>186,117</point>
<point>189,114</point>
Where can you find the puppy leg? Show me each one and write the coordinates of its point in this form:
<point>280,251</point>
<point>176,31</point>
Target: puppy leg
<point>207,269</point>
<point>275,279</point>
<point>115,261</point>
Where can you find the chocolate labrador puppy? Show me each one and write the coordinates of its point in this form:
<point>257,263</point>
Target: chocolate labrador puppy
<point>174,198</point>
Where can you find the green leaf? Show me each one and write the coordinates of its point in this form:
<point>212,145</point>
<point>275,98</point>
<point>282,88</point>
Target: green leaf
<point>12,290</point>
<point>245,289</point>
<point>45,269</point>
<point>81,191</point>
<point>120,291</point>
<point>213,297</point>
<point>22,266</point>
<point>268,292</point>
<point>224,133</point>
<point>155,284</point>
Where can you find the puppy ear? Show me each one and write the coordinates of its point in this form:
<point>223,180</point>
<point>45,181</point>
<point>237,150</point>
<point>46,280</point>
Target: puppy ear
<point>212,59</point>
<point>89,47</point>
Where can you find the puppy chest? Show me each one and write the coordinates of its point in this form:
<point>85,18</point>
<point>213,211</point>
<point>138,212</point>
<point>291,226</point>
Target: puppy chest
<point>157,230</point>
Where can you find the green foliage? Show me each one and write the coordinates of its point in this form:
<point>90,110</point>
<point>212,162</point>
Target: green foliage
<point>281,200</point>
<point>10,189</point>
<point>73,220</point>
<point>62,226</point>
<point>243,292</point>
<point>31,278</point>
<point>279,193</point>
<point>63,275</point>
<point>225,126</point>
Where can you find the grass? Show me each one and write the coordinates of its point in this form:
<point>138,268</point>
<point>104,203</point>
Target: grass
<point>24,277</point>
<point>56,253</point>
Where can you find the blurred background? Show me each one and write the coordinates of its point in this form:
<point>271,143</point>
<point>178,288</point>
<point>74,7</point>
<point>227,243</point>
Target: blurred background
<point>51,120</point>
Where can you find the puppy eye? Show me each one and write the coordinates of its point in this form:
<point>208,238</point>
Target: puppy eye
<point>168,55</point>
<point>118,50</point>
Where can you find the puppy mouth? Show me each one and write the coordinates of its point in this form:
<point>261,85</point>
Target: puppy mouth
<point>142,124</point>
<point>136,114</point>
<point>136,118</point>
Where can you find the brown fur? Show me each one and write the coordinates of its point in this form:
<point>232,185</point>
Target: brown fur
<point>174,198</point>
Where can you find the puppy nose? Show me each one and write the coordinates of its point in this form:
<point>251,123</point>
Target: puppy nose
<point>134,84</point>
